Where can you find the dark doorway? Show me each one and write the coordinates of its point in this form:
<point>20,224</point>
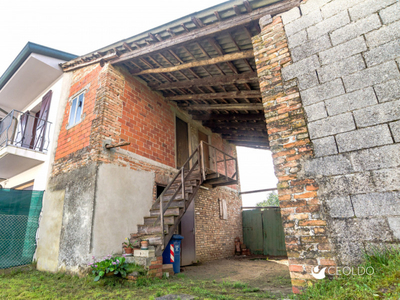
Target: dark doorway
<point>182,142</point>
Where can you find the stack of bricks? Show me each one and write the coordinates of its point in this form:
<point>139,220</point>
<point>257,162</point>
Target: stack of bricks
<point>307,241</point>
<point>156,268</point>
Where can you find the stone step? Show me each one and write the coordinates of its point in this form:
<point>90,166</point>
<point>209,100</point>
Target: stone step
<point>176,203</point>
<point>188,189</point>
<point>171,211</point>
<point>168,220</point>
<point>178,196</point>
<point>148,229</point>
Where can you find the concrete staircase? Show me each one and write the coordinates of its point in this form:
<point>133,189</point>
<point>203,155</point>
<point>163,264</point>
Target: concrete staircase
<point>169,208</point>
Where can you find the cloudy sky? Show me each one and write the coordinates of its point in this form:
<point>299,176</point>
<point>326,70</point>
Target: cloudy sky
<point>80,27</point>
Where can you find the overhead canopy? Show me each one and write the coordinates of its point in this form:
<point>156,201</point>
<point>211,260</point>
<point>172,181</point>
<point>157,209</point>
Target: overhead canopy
<point>205,63</point>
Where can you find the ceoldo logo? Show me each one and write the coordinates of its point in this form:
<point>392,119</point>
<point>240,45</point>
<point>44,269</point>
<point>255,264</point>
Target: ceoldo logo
<point>318,275</point>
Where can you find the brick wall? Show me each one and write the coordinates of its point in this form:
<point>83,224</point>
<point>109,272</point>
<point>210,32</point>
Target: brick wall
<point>215,236</point>
<point>346,59</point>
<point>307,243</point>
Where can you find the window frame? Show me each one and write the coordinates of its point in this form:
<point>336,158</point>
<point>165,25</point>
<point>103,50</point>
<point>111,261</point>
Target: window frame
<point>71,101</point>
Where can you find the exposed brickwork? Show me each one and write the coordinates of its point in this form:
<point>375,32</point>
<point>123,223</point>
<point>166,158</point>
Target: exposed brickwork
<point>215,236</point>
<point>307,243</point>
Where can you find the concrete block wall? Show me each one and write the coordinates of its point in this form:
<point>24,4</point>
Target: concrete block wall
<point>346,60</point>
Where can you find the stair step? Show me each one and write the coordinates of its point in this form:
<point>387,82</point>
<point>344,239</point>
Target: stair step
<point>148,229</point>
<point>177,197</point>
<point>168,220</point>
<point>176,203</point>
<point>192,182</point>
<point>171,211</point>
<point>188,189</point>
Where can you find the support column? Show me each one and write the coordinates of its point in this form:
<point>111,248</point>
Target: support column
<point>306,236</point>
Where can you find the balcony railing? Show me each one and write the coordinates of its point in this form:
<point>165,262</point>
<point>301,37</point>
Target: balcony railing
<point>25,131</point>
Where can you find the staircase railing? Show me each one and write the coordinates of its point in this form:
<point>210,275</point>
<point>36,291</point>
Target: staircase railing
<point>193,162</point>
<point>225,159</point>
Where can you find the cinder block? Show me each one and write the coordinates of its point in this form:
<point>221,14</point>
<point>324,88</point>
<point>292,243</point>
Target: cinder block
<point>371,76</point>
<point>368,7</point>
<point>339,207</point>
<point>386,180</point>
<point>336,6</point>
<point>301,67</point>
<point>144,253</point>
<point>395,129</point>
<point>297,39</point>
<point>331,125</point>
<point>324,146</point>
<point>382,53</point>
<point>310,47</point>
<point>322,92</point>
<point>328,25</point>
<point>390,14</point>
<point>377,114</point>
<point>342,51</point>
<point>342,68</point>
<point>388,91</point>
<point>328,166</point>
<point>308,80</point>
<point>310,6</point>
<point>383,35</point>
<point>364,138</point>
<point>355,29</point>
<point>376,158</point>
<point>303,22</point>
<point>316,111</point>
<point>351,101</point>
<point>376,204</point>
<point>394,224</point>
<point>290,15</point>
<point>358,229</point>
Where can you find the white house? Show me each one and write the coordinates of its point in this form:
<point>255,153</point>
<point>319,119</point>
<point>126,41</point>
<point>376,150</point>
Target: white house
<point>30,110</point>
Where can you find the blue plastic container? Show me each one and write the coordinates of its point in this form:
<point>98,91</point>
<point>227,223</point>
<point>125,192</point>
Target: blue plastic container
<point>167,257</point>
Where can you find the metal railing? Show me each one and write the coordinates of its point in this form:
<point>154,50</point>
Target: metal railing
<point>197,160</point>
<point>25,130</point>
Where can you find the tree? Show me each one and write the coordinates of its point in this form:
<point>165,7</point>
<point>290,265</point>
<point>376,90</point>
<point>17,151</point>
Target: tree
<point>272,200</point>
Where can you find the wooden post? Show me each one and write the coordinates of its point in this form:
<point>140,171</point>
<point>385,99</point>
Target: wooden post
<point>183,187</point>
<point>162,221</point>
<point>226,168</point>
<point>202,160</point>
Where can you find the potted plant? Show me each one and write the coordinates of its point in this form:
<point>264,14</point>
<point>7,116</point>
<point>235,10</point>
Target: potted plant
<point>128,246</point>
<point>108,266</point>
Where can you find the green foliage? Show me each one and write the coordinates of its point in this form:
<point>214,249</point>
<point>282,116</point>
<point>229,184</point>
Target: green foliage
<point>128,243</point>
<point>108,264</point>
<point>384,283</point>
<point>272,200</point>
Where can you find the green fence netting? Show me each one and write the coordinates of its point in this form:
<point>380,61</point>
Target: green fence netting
<point>19,221</point>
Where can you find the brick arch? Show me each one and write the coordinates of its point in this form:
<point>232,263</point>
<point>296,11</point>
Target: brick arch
<point>306,235</point>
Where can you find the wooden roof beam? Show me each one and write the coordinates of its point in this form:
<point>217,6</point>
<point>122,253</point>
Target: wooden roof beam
<point>210,81</point>
<point>245,133</point>
<point>243,125</point>
<point>210,30</point>
<point>206,62</point>
<point>238,94</point>
<point>227,107</point>
<point>229,117</point>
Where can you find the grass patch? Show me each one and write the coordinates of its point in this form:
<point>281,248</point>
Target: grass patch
<point>33,284</point>
<point>384,283</point>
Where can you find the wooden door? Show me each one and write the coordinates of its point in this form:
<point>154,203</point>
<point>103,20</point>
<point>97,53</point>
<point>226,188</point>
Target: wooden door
<point>188,252</point>
<point>204,137</point>
<point>182,142</point>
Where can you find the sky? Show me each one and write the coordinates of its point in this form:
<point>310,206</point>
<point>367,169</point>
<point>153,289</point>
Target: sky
<point>83,26</point>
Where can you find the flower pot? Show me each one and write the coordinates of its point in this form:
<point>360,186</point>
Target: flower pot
<point>128,250</point>
<point>144,245</point>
